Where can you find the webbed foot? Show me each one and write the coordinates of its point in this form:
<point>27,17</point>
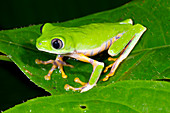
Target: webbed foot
<point>85,86</point>
<point>56,63</point>
<point>109,66</point>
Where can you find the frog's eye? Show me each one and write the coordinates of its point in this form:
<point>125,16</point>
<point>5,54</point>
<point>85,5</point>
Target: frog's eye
<point>57,43</point>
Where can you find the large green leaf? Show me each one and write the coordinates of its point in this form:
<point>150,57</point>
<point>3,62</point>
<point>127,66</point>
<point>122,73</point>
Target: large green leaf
<point>122,97</point>
<point>148,60</point>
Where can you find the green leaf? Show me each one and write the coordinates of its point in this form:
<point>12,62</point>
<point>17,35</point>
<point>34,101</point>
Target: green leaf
<point>4,57</point>
<point>148,60</point>
<point>122,97</point>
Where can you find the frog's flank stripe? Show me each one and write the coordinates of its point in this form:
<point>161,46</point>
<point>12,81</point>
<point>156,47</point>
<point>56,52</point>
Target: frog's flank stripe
<point>87,53</point>
<point>99,51</point>
<point>91,54</point>
<point>111,41</point>
<point>118,36</point>
<point>103,47</point>
<point>106,45</point>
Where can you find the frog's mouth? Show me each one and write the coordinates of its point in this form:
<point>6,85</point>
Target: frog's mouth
<point>61,52</point>
<point>45,50</point>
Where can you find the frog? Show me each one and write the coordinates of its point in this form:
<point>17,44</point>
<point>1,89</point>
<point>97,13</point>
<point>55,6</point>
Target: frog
<point>82,42</point>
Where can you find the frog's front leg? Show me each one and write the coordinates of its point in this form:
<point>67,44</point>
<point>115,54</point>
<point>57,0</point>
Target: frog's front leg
<point>124,45</point>
<point>97,69</point>
<point>58,62</point>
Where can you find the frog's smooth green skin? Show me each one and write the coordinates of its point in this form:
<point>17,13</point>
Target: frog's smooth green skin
<point>89,40</point>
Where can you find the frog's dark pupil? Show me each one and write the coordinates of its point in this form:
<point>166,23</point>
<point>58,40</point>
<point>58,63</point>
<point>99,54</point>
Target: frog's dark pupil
<point>57,43</point>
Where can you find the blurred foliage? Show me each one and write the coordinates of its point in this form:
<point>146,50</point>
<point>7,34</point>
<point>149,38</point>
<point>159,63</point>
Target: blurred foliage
<point>19,13</point>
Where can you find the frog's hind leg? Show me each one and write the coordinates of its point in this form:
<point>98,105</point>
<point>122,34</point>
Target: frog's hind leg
<point>97,69</point>
<point>58,62</point>
<point>135,32</point>
<point>112,59</point>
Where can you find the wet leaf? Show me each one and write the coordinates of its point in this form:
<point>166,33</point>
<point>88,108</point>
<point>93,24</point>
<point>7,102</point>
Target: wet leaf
<point>122,97</point>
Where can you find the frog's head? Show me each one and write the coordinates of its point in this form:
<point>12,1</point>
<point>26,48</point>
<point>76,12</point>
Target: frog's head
<point>54,39</point>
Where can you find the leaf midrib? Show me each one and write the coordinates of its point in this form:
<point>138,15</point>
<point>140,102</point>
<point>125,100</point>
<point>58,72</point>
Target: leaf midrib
<point>17,44</point>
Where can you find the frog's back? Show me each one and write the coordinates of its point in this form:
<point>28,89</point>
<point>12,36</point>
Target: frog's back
<point>94,38</point>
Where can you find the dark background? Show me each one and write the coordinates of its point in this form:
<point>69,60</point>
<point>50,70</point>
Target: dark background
<point>15,87</point>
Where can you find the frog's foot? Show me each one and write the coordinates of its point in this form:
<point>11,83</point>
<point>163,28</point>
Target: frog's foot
<point>85,86</point>
<point>108,75</point>
<point>56,63</point>
<point>109,66</point>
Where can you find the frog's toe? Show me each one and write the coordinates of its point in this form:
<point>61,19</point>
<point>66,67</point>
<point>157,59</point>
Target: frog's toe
<point>109,66</point>
<point>112,59</point>
<point>62,63</point>
<point>81,89</point>
<point>67,87</point>
<point>77,80</point>
<point>106,69</point>
<point>37,61</point>
<point>108,76</point>
<point>64,75</point>
<point>85,86</point>
<point>69,65</point>
<point>47,77</point>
